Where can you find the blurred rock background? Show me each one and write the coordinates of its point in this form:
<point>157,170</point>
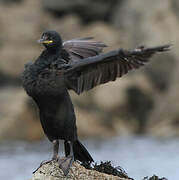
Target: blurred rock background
<point>145,101</point>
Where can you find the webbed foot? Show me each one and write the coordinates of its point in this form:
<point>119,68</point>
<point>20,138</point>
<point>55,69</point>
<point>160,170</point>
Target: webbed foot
<point>66,163</point>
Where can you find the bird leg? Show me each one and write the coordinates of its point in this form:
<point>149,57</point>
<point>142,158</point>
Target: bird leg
<point>55,154</point>
<point>55,149</point>
<point>66,162</point>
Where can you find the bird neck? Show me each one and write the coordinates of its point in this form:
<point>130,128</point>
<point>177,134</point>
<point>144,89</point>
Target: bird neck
<point>48,56</point>
<point>45,59</point>
<point>54,48</point>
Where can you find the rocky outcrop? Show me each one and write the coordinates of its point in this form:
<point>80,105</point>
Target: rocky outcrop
<point>51,171</point>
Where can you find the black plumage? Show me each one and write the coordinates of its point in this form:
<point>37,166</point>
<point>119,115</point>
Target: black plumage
<point>78,65</point>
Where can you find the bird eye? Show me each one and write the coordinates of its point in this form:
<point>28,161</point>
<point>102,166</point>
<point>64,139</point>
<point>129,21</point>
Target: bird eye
<point>46,37</point>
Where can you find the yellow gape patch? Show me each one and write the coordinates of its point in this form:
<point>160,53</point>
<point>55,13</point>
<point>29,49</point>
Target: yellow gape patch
<point>47,42</point>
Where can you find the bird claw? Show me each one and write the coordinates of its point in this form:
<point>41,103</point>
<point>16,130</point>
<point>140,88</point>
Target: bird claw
<point>65,164</point>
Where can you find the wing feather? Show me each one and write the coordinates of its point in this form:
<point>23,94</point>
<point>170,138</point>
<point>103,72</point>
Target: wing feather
<point>83,48</point>
<point>85,74</point>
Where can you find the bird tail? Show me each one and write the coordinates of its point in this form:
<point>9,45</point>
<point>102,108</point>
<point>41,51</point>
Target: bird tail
<point>80,152</point>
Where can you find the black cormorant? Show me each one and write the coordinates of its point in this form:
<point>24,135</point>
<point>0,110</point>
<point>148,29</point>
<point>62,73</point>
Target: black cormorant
<point>78,65</point>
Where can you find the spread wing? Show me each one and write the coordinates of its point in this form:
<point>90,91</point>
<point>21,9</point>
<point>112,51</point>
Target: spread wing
<point>84,74</point>
<point>83,48</point>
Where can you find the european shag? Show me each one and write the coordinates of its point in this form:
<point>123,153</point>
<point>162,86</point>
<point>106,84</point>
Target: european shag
<point>74,65</point>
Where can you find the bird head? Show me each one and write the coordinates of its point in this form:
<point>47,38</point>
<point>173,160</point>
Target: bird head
<point>51,39</point>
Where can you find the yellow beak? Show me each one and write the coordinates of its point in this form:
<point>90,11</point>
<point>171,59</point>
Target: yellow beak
<point>41,41</point>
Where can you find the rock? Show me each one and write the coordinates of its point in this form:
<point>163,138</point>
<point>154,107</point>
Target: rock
<point>6,80</point>
<point>51,171</point>
<point>144,102</point>
<point>147,22</point>
<point>90,123</point>
<point>19,44</point>
<point>164,120</point>
<point>18,118</point>
<point>88,10</point>
<point>161,70</point>
<point>115,93</point>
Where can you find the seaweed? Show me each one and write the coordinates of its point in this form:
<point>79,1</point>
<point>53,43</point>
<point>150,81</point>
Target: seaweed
<point>154,177</point>
<point>107,168</point>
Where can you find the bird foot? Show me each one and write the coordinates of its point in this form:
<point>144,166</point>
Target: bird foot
<point>45,162</point>
<point>65,164</point>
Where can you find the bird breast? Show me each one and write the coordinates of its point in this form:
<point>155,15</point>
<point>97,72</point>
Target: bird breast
<point>46,82</point>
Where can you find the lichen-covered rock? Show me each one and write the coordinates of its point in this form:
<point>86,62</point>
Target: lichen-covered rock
<point>51,171</point>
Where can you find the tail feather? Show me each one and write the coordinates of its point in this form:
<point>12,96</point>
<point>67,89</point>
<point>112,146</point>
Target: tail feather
<point>80,152</point>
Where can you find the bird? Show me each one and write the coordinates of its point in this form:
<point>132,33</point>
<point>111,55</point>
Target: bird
<point>78,65</point>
